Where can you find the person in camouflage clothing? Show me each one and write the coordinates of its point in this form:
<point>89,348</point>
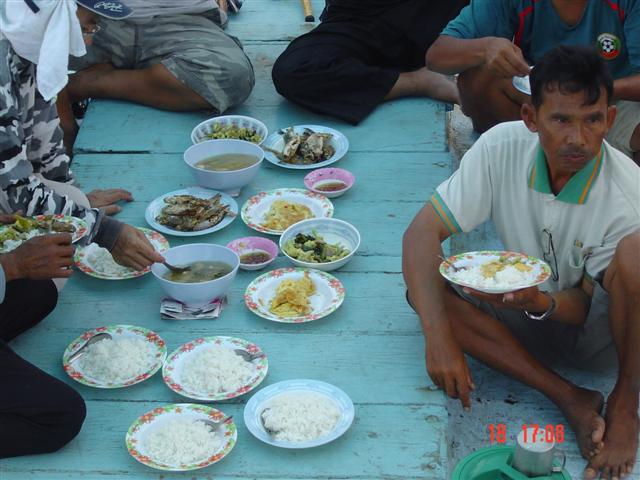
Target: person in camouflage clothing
<point>38,412</point>
<point>35,174</point>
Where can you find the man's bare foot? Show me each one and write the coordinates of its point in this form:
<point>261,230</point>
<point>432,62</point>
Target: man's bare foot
<point>618,455</point>
<point>82,81</point>
<point>582,411</point>
<point>425,83</point>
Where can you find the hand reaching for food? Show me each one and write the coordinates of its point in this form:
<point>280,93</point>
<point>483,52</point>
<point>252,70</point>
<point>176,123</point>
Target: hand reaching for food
<point>133,249</point>
<point>107,199</point>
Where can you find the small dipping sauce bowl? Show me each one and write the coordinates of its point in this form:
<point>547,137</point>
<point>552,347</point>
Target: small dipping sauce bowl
<point>250,249</point>
<point>330,182</point>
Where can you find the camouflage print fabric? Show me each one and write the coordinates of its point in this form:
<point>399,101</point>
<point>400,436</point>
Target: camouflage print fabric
<point>194,48</point>
<point>31,143</point>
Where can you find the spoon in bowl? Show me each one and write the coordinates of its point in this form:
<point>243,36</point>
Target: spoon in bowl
<point>83,349</point>
<point>175,268</point>
<point>246,356</point>
<point>215,426</point>
<point>455,267</point>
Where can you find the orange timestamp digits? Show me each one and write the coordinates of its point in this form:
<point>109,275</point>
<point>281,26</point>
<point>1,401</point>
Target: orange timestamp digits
<point>551,433</point>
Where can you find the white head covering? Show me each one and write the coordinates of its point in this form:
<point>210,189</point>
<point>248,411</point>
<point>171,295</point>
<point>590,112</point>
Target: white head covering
<point>45,38</point>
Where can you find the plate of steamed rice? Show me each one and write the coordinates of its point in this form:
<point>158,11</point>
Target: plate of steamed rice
<point>97,262</point>
<point>130,356</point>
<point>175,437</point>
<point>495,271</point>
<point>209,369</point>
<point>299,413</point>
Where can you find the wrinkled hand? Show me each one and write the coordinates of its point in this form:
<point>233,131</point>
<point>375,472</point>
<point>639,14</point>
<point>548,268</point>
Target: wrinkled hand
<point>6,219</point>
<point>133,249</point>
<point>447,366</point>
<point>107,199</point>
<point>44,257</point>
<point>504,59</point>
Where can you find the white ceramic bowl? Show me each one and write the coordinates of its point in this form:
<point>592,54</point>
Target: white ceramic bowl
<point>195,293</point>
<point>331,230</point>
<point>202,131</point>
<point>230,182</point>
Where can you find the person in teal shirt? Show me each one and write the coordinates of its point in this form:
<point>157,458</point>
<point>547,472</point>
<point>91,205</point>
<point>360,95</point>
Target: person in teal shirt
<point>492,41</point>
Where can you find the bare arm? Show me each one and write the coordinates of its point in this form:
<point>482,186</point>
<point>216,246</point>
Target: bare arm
<point>445,361</point>
<point>450,55</point>
<point>627,88</point>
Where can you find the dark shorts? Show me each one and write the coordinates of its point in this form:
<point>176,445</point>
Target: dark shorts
<point>589,346</point>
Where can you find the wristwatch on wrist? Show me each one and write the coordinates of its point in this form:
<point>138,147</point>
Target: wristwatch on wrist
<point>548,313</point>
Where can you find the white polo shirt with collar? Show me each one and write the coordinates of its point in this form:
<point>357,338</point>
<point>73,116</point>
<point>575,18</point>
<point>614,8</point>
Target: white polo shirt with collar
<point>504,177</point>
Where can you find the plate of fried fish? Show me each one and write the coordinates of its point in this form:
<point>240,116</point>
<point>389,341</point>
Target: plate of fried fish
<point>304,147</point>
<point>191,211</point>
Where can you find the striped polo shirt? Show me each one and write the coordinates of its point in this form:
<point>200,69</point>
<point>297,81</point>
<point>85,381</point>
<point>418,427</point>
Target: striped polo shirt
<point>504,178</point>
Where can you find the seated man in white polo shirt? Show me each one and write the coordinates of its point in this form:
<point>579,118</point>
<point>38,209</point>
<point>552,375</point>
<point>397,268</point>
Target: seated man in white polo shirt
<point>556,190</point>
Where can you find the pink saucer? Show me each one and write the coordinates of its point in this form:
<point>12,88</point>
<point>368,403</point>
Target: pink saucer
<point>330,182</point>
<point>246,245</point>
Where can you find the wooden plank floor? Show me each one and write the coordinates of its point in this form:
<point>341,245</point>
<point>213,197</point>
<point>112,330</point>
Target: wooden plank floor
<point>371,347</point>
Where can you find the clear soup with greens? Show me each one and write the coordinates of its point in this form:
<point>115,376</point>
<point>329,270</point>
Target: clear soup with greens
<point>227,162</point>
<point>200,272</point>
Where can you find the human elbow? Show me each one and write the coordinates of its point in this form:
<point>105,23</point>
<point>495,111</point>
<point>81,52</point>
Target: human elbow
<point>434,59</point>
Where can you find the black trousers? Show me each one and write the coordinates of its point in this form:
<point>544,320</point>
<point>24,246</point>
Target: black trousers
<point>346,66</point>
<point>38,413</point>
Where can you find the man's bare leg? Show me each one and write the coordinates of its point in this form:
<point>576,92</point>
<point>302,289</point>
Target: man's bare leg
<point>622,281</point>
<point>154,86</point>
<point>488,99</point>
<point>424,83</point>
<point>486,339</point>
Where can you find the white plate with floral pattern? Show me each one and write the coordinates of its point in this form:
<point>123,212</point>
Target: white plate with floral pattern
<point>80,229</point>
<point>86,258</point>
<point>327,299</point>
<point>172,369</point>
<point>75,371</point>
<point>255,209</point>
<point>140,429</point>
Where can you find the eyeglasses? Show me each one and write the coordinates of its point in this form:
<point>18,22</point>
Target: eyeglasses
<point>549,254</point>
<point>91,33</point>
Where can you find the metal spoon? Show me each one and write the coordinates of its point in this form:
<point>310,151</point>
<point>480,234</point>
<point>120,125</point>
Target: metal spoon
<point>83,349</point>
<point>176,269</point>
<point>248,357</point>
<point>267,429</point>
<point>215,426</point>
<point>455,267</point>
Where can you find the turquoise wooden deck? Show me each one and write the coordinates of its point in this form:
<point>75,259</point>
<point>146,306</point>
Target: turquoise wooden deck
<point>371,347</point>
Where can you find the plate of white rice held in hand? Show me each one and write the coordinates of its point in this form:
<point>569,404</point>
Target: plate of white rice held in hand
<point>130,356</point>
<point>299,413</point>
<point>98,262</point>
<point>176,438</point>
<point>294,295</point>
<point>495,271</point>
<point>209,369</point>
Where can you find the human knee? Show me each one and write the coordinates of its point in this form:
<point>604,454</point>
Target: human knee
<point>70,409</point>
<point>626,262</point>
<point>283,72</point>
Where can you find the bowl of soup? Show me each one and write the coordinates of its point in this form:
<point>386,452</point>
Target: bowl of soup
<point>224,165</point>
<point>212,269</point>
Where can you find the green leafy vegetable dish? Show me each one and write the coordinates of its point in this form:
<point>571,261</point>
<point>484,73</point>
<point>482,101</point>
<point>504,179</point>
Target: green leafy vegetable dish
<point>313,249</point>
<point>234,132</point>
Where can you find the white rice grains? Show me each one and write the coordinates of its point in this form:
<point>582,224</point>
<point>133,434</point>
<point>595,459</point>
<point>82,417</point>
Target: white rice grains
<point>117,360</point>
<point>181,441</point>
<point>300,416</point>
<point>508,277</point>
<point>101,260</point>
<point>215,370</point>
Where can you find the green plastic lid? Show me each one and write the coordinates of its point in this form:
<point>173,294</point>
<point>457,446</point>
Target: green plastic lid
<point>494,463</point>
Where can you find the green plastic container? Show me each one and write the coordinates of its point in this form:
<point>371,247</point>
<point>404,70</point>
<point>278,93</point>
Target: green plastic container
<point>494,463</point>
